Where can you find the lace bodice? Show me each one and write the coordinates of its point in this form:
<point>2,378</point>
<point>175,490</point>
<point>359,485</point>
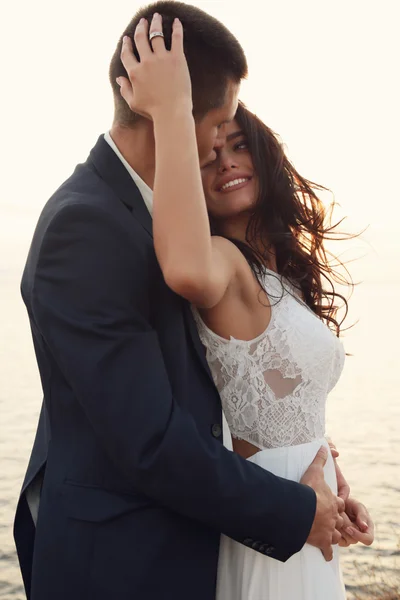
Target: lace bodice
<point>273,389</point>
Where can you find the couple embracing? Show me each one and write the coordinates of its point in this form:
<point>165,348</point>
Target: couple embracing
<point>178,273</point>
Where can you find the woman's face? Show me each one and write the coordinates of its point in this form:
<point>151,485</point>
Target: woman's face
<point>230,182</point>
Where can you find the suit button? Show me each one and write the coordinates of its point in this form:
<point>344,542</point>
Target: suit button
<point>216,430</point>
<point>248,542</point>
<point>268,550</point>
<point>256,545</point>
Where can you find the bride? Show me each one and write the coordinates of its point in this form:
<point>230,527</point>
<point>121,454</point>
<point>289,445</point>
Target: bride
<point>264,303</point>
<point>271,351</point>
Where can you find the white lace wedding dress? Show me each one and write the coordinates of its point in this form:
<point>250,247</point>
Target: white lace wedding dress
<point>273,391</point>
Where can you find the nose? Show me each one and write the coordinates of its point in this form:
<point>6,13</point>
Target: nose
<point>219,141</point>
<point>226,162</point>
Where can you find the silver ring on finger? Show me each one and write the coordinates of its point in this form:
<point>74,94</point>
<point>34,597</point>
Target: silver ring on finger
<point>155,34</point>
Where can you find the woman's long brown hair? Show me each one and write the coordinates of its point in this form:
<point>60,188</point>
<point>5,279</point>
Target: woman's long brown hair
<point>291,219</point>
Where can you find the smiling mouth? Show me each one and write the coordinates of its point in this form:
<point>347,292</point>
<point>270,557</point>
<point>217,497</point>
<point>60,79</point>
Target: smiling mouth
<point>235,184</point>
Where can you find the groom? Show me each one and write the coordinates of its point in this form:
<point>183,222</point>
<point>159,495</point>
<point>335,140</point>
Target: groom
<point>129,485</point>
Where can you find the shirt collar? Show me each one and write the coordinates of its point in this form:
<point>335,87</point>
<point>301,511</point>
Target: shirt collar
<point>146,192</point>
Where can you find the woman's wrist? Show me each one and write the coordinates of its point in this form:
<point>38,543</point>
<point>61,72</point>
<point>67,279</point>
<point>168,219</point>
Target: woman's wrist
<point>179,111</point>
<point>176,129</point>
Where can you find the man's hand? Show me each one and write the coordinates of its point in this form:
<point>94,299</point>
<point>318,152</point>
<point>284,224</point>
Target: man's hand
<point>328,521</point>
<point>357,525</point>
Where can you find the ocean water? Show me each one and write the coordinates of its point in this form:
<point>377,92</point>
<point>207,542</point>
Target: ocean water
<point>363,416</point>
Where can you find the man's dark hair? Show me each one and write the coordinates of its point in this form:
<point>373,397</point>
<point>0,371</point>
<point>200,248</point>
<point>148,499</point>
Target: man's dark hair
<point>214,56</point>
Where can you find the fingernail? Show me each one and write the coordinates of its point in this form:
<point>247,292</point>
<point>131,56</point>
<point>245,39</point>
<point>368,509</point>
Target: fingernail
<point>156,15</point>
<point>124,39</point>
<point>118,80</point>
<point>349,530</point>
<point>142,20</point>
<point>364,524</point>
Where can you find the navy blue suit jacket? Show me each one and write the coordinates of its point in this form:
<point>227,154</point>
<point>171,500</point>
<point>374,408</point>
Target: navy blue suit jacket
<point>137,484</point>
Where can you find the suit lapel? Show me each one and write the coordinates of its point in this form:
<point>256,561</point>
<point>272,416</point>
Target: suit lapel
<point>114,173</point>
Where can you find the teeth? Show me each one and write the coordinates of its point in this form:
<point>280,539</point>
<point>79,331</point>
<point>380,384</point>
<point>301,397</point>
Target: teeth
<point>232,183</point>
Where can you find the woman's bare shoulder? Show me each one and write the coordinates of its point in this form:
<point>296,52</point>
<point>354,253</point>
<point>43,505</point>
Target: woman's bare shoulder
<point>244,283</point>
<point>230,251</point>
<point>239,313</point>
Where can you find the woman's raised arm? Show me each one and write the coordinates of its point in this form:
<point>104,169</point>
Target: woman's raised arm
<point>195,265</point>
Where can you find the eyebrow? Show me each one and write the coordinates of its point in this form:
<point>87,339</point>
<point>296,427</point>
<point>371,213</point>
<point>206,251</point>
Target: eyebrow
<point>234,135</point>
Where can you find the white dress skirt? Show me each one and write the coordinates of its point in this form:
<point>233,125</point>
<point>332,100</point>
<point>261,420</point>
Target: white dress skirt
<point>273,391</point>
<point>245,574</point>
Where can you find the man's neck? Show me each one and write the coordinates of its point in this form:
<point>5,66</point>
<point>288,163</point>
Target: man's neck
<point>136,145</point>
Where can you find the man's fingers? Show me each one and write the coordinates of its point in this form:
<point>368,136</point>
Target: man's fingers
<point>346,521</point>
<point>126,90</point>
<point>339,522</point>
<point>320,457</point>
<point>314,472</point>
<point>340,504</point>
<point>336,535</point>
<point>142,39</point>
<point>345,541</point>
<point>328,553</point>
<point>177,37</point>
<point>157,43</point>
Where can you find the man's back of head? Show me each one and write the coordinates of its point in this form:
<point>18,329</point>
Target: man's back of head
<point>214,56</point>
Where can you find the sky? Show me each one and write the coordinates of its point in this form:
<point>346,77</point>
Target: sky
<point>324,75</point>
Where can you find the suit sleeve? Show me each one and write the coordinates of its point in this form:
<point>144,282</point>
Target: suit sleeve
<point>89,301</point>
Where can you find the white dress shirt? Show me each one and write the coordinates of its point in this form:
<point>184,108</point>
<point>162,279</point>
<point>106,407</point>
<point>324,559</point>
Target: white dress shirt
<point>144,189</point>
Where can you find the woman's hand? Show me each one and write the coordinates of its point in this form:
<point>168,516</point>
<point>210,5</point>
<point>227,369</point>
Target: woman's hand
<point>358,525</point>
<point>160,82</point>
<point>343,486</point>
